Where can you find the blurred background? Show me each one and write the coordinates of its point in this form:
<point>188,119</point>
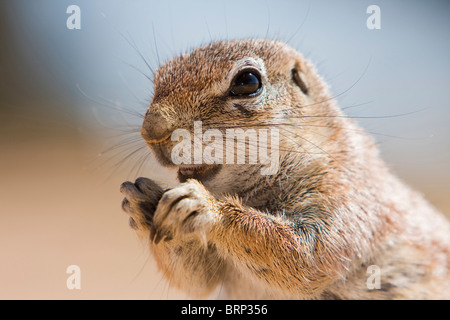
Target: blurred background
<point>71,103</point>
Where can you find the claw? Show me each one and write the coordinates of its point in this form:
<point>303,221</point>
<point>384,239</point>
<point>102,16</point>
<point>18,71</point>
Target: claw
<point>126,206</point>
<point>152,232</point>
<point>160,235</point>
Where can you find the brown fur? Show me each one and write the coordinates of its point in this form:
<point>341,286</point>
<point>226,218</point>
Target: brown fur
<point>308,232</point>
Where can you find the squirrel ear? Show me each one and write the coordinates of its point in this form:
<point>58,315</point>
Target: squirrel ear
<point>298,77</point>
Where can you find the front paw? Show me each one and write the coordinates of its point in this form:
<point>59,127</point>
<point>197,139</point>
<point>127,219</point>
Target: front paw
<point>188,210</point>
<point>140,202</point>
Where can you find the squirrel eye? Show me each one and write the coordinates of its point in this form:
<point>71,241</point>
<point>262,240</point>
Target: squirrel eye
<point>246,83</point>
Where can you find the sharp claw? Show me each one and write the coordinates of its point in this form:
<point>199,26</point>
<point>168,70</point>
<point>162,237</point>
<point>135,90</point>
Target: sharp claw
<point>157,238</point>
<point>160,235</point>
<point>152,233</point>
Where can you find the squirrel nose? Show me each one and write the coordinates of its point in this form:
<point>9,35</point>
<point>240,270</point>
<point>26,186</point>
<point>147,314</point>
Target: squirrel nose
<point>155,128</point>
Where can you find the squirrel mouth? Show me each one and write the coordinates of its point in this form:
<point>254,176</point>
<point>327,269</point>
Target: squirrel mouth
<point>200,172</point>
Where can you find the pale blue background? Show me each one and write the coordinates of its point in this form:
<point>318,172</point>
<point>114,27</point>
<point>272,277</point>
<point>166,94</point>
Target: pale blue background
<point>409,67</point>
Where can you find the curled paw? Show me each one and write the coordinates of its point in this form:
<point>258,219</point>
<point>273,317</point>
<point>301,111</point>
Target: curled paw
<point>140,202</point>
<point>186,210</point>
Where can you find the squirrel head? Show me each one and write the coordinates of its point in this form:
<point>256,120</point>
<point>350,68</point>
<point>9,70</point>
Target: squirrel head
<point>242,84</point>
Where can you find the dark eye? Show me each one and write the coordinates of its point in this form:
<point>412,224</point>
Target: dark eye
<point>246,83</point>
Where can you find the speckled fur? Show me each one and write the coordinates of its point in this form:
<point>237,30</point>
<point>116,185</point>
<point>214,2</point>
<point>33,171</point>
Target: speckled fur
<point>308,232</point>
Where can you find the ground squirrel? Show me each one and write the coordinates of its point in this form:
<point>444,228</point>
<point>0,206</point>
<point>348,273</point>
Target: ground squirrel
<point>308,231</point>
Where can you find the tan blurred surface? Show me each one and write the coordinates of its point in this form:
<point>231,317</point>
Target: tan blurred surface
<point>54,213</point>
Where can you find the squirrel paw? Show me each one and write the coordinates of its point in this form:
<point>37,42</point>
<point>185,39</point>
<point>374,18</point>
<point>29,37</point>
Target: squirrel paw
<point>186,210</point>
<point>140,202</point>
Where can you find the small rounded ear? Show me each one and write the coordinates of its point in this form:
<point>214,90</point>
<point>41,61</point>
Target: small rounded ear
<point>299,79</point>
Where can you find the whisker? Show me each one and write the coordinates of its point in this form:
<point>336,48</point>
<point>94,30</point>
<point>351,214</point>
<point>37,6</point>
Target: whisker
<point>356,105</point>
<point>311,125</point>
<point>138,70</point>
<point>313,144</point>
<point>103,104</point>
<point>365,117</point>
<point>141,269</point>
<point>156,45</point>
<point>116,166</point>
<point>122,143</point>
<point>207,28</point>
<point>128,156</point>
<point>134,46</point>
<point>140,162</point>
<point>301,25</point>
<point>268,21</point>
